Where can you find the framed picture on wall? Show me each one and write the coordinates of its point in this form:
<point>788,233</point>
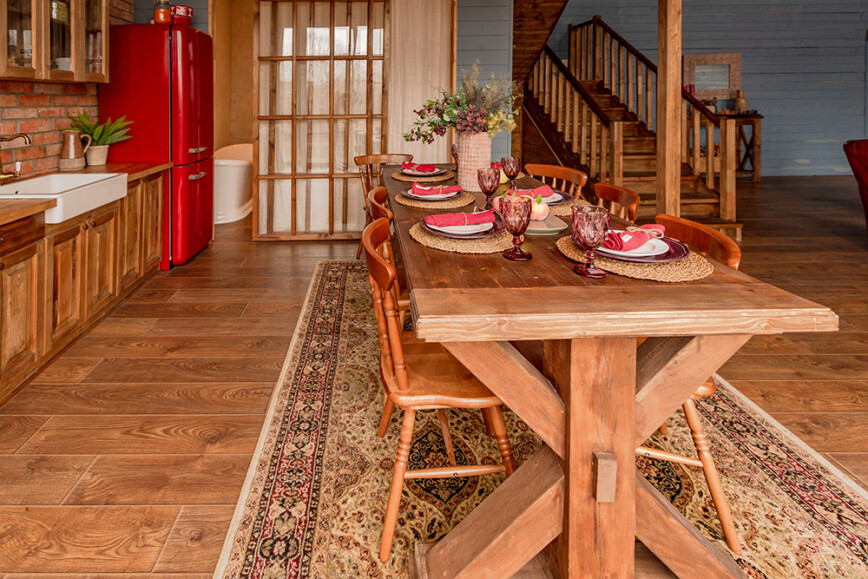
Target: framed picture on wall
<point>714,76</point>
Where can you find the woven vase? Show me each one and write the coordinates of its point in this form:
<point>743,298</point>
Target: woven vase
<point>474,153</point>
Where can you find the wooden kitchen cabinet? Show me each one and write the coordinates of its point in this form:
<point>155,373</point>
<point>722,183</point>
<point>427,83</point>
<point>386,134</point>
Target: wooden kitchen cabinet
<point>21,275</point>
<point>65,256</point>
<point>101,262</point>
<point>131,231</point>
<point>152,221</point>
<point>56,40</point>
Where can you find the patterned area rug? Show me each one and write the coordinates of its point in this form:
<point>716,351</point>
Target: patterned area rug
<point>314,498</point>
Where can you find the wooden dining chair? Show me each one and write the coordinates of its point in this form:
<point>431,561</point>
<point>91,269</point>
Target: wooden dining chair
<point>620,201</point>
<point>421,376</point>
<point>370,173</point>
<point>565,179</point>
<point>378,200</point>
<point>857,155</point>
<point>718,246</point>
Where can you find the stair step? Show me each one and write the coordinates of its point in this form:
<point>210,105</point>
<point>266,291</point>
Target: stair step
<point>687,197</point>
<point>640,162</point>
<point>640,145</point>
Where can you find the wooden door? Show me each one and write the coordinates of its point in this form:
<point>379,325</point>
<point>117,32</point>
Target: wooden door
<point>20,300</point>
<point>18,23</point>
<point>101,279</point>
<point>66,271</point>
<point>130,260</point>
<point>321,97</point>
<point>152,222</point>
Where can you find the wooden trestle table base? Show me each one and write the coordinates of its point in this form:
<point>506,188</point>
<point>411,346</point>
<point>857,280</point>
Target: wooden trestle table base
<point>596,398</point>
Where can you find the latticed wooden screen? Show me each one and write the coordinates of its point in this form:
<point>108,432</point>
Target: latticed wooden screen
<point>321,98</point>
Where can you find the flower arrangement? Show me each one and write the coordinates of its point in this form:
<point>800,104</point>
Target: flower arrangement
<point>473,109</point>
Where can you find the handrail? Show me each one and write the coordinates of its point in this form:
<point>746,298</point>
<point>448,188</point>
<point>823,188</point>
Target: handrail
<point>703,110</point>
<point>586,96</point>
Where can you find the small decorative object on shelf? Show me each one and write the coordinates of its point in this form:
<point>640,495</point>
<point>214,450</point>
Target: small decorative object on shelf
<point>740,104</point>
<point>162,12</point>
<point>477,113</point>
<point>102,135</point>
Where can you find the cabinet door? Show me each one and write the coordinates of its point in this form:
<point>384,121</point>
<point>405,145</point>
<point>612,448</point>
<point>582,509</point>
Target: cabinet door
<point>64,28</point>
<point>152,222</point>
<point>130,261</point>
<point>95,52</point>
<point>18,21</point>
<point>101,257</point>
<point>20,294</point>
<point>66,268</point>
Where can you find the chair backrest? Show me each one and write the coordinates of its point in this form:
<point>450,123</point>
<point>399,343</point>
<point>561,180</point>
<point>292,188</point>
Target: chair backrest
<point>382,276</point>
<point>379,198</point>
<point>369,169</point>
<point>857,156</point>
<point>565,179</point>
<point>621,202</point>
<point>709,241</point>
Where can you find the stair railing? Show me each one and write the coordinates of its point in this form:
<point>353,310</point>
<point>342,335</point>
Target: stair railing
<point>598,53</point>
<point>583,124</point>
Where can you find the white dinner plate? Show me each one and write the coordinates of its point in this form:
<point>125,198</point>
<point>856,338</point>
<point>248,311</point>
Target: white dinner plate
<point>434,197</point>
<point>463,229</point>
<point>412,173</point>
<point>553,198</point>
<point>651,248</point>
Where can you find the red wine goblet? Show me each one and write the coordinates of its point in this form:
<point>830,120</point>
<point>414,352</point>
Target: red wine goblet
<point>489,181</point>
<point>515,212</point>
<point>511,168</point>
<point>590,225</point>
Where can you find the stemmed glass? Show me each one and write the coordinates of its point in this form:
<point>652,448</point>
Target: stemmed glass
<point>590,225</point>
<point>489,181</point>
<point>515,212</point>
<point>511,168</point>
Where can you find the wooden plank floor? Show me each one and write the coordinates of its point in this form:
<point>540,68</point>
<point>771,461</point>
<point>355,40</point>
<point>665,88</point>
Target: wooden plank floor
<point>126,456</point>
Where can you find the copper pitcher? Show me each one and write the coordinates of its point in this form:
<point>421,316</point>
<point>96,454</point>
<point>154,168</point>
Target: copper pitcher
<point>71,145</point>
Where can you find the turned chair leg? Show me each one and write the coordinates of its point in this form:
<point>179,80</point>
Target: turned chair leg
<point>386,417</point>
<point>711,477</point>
<point>502,440</point>
<point>391,518</point>
<point>486,418</point>
<point>447,438</point>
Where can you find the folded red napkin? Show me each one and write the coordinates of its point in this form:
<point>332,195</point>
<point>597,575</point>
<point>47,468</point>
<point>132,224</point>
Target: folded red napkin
<point>410,166</point>
<point>453,219</point>
<point>497,165</point>
<point>422,190</point>
<point>632,239</point>
<point>541,191</point>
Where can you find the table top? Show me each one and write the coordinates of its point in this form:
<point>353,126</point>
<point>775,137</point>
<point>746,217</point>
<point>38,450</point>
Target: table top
<point>463,297</point>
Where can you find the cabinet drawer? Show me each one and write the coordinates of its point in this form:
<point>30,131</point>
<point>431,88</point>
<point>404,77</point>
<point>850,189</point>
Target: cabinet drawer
<point>20,233</point>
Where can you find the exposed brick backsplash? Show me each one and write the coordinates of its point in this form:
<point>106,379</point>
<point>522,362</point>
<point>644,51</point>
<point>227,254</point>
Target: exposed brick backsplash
<point>40,110</point>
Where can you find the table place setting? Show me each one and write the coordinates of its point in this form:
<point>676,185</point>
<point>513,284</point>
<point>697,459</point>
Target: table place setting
<point>422,173</point>
<point>478,232</point>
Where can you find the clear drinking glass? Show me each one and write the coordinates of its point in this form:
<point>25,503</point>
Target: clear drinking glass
<point>511,168</point>
<point>515,212</point>
<point>489,181</point>
<point>590,225</point>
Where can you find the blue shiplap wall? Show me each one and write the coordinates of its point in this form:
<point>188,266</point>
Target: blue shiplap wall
<point>485,34</point>
<point>803,66</point>
<point>145,11</point>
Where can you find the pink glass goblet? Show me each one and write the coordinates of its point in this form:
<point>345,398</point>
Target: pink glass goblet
<point>590,225</point>
<point>511,168</point>
<point>515,212</point>
<point>489,181</point>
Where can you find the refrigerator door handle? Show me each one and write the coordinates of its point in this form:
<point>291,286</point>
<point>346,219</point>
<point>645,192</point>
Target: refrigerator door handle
<point>197,176</point>
<point>195,150</point>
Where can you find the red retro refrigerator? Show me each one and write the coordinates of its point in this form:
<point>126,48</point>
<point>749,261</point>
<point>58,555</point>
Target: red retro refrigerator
<point>162,80</point>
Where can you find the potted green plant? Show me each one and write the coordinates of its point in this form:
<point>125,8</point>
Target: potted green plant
<point>102,135</point>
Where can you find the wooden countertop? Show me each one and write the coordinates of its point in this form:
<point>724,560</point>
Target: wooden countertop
<point>15,209</point>
<point>135,170</point>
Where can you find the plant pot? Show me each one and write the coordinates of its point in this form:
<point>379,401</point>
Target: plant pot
<point>97,155</point>
<point>474,153</point>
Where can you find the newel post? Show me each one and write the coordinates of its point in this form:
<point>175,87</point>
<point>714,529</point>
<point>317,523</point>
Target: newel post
<point>669,107</point>
<point>728,159</point>
<point>617,144</point>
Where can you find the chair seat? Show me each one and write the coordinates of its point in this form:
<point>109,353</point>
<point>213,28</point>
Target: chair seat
<point>437,380</point>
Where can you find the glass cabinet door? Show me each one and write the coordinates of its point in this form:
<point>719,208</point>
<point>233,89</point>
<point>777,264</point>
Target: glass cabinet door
<point>61,20</point>
<point>19,19</point>
<point>95,40</point>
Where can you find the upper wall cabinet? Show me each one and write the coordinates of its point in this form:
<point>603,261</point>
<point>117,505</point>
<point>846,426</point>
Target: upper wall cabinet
<point>55,40</point>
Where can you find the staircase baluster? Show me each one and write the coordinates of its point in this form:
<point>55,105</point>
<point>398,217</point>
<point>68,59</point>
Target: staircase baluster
<point>630,61</point>
<point>685,153</point>
<point>584,140</point>
<point>709,154</point>
<point>622,91</point>
<point>649,97</point>
<point>617,153</point>
<point>612,72</point>
<point>695,141</point>
<point>575,130</point>
<point>604,153</point>
<point>594,164</point>
<point>640,93</point>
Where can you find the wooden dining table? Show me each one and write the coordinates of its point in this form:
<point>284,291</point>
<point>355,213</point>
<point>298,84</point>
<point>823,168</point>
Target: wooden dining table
<point>579,503</point>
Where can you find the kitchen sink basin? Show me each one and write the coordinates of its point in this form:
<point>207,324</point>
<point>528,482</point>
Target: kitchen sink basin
<point>76,193</point>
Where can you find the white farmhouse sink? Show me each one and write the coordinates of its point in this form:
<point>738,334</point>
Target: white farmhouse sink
<point>76,193</point>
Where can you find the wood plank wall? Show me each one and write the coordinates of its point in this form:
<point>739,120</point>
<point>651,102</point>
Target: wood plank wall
<point>803,66</point>
<point>485,33</point>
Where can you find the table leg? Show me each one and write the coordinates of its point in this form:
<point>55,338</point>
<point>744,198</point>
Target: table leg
<point>596,379</point>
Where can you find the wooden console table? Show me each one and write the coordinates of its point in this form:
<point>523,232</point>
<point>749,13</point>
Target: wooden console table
<point>749,146</point>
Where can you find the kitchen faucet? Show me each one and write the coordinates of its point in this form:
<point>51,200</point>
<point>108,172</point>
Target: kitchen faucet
<point>15,175</point>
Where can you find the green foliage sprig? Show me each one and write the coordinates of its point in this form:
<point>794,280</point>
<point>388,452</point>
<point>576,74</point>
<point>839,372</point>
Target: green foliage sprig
<point>105,134</point>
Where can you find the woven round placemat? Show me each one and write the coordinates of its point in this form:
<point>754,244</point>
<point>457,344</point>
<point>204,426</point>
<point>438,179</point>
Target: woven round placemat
<point>494,244</point>
<point>692,268</point>
<point>565,210</point>
<point>460,201</point>
<point>398,176</point>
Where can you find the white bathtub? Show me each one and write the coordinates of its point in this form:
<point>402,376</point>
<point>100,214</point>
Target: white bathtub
<point>233,182</point>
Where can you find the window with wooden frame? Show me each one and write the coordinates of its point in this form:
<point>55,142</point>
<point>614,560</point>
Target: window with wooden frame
<point>320,89</point>
<point>714,76</point>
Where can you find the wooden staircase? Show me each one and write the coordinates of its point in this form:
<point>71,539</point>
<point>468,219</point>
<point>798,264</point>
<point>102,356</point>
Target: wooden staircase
<point>596,115</point>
